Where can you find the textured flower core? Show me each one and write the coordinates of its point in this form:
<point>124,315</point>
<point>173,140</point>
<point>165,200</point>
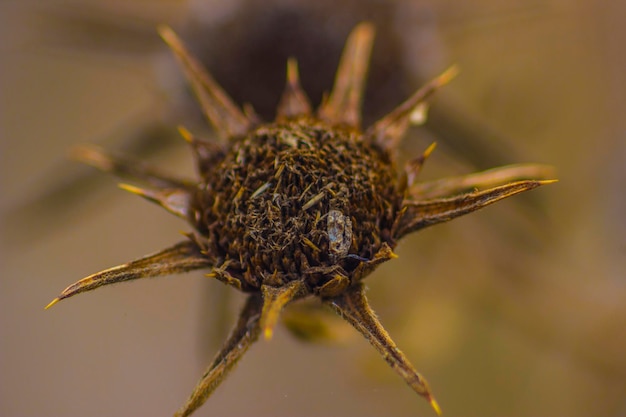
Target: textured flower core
<point>296,199</point>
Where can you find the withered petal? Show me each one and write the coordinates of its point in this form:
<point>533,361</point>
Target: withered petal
<point>182,257</point>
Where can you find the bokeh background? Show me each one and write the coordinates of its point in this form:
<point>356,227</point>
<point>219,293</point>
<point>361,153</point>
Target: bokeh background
<point>517,310</point>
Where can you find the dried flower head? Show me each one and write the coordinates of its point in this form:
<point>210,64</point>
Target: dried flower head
<point>307,205</point>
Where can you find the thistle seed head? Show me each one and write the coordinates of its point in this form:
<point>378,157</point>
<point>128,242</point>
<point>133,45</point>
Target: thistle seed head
<point>306,205</point>
<point>296,200</point>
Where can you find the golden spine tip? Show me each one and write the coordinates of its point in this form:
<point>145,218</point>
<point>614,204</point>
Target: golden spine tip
<point>268,332</point>
<point>132,189</point>
<point>53,302</point>
<point>365,29</point>
<point>166,33</point>
<point>434,405</point>
<point>185,134</point>
<point>546,182</point>
<point>448,75</point>
<point>429,150</point>
<point>292,71</point>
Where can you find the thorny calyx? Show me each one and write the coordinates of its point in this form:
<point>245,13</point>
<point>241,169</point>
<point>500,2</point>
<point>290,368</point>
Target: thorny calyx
<point>306,205</point>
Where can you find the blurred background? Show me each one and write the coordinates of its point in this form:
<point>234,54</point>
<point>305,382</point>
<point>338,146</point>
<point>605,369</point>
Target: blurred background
<point>517,310</point>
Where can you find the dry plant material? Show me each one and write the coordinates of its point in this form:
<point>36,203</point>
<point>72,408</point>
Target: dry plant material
<point>307,205</point>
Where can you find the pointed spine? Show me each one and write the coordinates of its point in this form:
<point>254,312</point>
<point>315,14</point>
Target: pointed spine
<point>175,200</point>
<point>388,131</point>
<point>125,168</point>
<point>224,115</point>
<point>245,332</point>
<point>414,167</point>
<point>294,102</point>
<point>207,153</point>
<point>446,187</point>
<point>274,300</point>
<point>182,257</point>
<point>343,106</point>
<point>353,307</point>
<point>418,215</point>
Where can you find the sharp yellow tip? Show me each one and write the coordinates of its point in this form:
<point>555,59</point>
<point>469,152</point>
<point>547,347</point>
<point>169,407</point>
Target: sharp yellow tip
<point>53,302</point>
<point>292,71</point>
<point>429,150</point>
<point>268,333</point>
<point>165,31</point>
<point>394,255</point>
<point>434,405</point>
<point>546,182</point>
<point>131,189</point>
<point>448,75</point>
<point>185,134</point>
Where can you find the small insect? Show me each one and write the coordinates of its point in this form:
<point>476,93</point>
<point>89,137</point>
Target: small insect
<point>305,206</point>
<point>339,234</point>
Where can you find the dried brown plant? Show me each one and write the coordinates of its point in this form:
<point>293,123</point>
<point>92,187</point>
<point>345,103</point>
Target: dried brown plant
<point>307,205</point>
